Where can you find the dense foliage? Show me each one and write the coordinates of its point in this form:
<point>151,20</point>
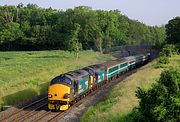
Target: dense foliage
<point>162,62</point>
<point>33,28</point>
<point>173,31</point>
<point>162,101</point>
<point>168,50</point>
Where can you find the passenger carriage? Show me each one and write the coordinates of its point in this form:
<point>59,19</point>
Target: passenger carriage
<point>115,68</point>
<point>131,62</point>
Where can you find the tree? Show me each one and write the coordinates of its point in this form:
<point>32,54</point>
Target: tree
<point>162,101</point>
<point>73,43</point>
<point>10,32</point>
<point>173,31</point>
<point>99,41</point>
<point>52,29</point>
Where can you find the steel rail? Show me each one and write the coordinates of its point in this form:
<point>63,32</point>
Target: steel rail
<point>28,106</point>
<point>29,113</point>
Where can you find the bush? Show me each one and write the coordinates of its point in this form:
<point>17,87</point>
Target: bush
<point>178,47</point>
<point>134,116</point>
<point>162,101</point>
<point>169,50</point>
<point>162,62</point>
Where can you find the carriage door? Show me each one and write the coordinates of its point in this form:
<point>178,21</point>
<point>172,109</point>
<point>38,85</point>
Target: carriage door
<point>91,78</point>
<point>75,88</point>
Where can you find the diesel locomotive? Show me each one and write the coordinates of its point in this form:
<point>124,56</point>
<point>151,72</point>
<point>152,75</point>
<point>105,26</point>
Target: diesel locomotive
<point>66,89</point>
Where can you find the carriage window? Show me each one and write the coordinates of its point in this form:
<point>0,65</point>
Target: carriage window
<point>113,69</point>
<point>123,65</point>
<point>132,62</point>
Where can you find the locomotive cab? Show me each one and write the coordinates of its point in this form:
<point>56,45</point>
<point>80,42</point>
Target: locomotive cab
<point>98,73</point>
<point>91,76</point>
<point>59,93</point>
<point>67,88</point>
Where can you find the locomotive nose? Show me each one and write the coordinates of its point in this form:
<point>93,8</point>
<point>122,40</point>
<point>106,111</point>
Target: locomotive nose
<point>66,96</point>
<point>59,92</point>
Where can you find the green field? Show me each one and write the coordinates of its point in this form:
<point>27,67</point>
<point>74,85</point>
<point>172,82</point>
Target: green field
<point>27,74</point>
<point>116,105</point>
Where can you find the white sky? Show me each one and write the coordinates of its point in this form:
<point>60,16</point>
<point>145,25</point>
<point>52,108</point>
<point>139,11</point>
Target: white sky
<point>150,12</point>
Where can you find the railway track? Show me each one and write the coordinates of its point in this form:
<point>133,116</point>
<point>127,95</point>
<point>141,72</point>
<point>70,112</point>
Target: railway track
<point>16,114</point>
<point>55,118</point>
<point>34,112</point>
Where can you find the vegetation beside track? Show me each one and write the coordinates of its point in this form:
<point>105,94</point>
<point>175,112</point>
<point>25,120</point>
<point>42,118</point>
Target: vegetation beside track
<point>27,74</point>
<point>118,103</point>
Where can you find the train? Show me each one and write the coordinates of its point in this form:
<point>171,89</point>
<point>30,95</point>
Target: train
<point>68,88</point>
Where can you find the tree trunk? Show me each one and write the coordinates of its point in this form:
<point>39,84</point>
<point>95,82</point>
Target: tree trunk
<point>100,49</point>
<point>77,55</point>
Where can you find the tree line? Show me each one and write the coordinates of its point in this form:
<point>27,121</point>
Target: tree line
<point>31,27</point>
<point>173,31</point>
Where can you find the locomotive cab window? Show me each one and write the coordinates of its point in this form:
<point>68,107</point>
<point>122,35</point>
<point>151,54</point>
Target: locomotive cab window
<point>91,72</point>
<point>60,79</point>
<point>57,79</point>
<point>67,81</point>
<point>75,87</point>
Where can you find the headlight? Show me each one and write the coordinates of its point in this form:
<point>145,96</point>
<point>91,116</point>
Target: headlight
<point>66,96</point>
<point>49,96</point>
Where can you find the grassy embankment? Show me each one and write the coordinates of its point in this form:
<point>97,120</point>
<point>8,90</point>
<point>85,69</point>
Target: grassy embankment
<point>27,74</point>
<point>119,102</point>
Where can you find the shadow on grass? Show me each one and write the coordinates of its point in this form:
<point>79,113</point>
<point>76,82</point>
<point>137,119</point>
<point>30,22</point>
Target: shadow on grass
<point>18,96</point>
<point>54,56</point>
<point>25,97</point>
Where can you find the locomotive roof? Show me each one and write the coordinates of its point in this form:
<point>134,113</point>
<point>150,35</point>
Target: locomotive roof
<point>73,75</point>
<point>129,58</point>
<point>139,56</point>
<point>114,62</point>
<point>77,74</point>
<point>97,66</point>
<point>120,60</point>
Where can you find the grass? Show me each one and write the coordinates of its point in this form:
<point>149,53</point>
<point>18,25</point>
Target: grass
<point>117,105</point>
<point>27,74</point>
<point>175,61</point>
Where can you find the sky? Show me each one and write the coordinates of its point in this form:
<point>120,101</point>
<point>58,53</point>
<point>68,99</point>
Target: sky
<point>150,12</point>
